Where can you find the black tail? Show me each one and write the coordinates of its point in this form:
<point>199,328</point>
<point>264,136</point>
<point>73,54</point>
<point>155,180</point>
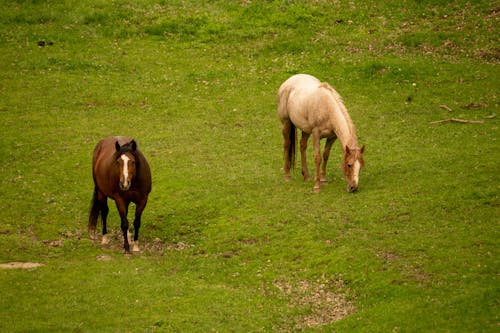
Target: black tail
<point>293,145</point>
<point>95,209</point>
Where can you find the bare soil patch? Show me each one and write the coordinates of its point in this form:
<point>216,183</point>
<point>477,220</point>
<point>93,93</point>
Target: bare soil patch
<point>22,265</point>
<point>324,301</point>
<point>154,246</point>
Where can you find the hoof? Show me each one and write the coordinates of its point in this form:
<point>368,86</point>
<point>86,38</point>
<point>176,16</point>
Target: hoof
<point>105,240</point>
<point>135,247</point>
<point>317,189</point>
<point>287,178</point>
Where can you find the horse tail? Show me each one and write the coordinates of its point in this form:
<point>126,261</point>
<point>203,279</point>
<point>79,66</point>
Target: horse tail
<point>293,145</point>
<point>95,208</point>
<point>283,95</point>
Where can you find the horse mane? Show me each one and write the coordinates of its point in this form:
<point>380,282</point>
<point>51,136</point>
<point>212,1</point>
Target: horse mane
<point>340,103</point>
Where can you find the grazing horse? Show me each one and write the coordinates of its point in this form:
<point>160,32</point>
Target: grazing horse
<point>316,108</point>
<point>121,172</point>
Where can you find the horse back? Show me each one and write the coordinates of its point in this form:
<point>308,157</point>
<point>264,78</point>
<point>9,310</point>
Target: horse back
<point>311,104</point>
<point>299,100</point>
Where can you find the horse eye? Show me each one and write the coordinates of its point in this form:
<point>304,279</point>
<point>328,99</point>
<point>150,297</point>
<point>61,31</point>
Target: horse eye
<point>349,165</point>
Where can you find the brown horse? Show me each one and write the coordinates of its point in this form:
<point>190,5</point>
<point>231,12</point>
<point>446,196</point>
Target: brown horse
<point>316,108</point>
<point>121,172</point>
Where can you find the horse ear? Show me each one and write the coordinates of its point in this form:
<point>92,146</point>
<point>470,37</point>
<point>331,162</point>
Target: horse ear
<point>134,145</point>
<point>347,150</point>
<point>117,146</point>
<point>363,149</point>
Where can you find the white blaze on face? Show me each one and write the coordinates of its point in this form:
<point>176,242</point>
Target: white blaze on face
<point>357,167</point>
<point>126,182</point>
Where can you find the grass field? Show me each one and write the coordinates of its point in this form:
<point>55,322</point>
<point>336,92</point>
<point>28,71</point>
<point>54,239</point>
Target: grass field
<point>227,245</point>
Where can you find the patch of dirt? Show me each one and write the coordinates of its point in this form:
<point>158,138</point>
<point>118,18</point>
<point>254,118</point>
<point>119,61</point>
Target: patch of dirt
<point>55,243</point>
<point>409,270</point>
<point>324,301</point>
<point>155,246</point>
<point>77,234</point>
<point>475,106</point>
<point>22,265</point>
<point>104,257</point>
<point>388,256</point>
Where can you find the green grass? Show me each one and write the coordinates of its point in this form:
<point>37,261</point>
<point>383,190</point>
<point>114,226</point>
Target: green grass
<point>228,246</point>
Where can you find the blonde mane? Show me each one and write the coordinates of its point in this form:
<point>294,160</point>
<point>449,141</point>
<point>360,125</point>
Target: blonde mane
<point>349,138</point>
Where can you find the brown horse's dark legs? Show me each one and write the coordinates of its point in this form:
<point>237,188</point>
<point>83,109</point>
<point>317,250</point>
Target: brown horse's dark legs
<point>103,207</point>
<point>317,160</point>
<point>137,225</point>
<point>124,226</point>
<point>303,159</point>
<point>122,207</point>
<point>326,155</point>
<point>286,130</point>
<point>104,216</point>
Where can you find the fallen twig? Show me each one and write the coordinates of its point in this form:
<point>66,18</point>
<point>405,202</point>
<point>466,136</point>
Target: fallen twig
<point>446,107</point>
<point>457,120</point>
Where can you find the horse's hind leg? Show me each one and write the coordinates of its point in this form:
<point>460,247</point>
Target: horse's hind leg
<point>287,146</point>
<point>326,155</point>
<point>303,159</point>
<point>317,159</point>
<point>104,217</point>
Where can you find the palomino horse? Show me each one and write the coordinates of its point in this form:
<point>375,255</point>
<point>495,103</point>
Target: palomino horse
<point>316,108</point>
<point>121,172</point>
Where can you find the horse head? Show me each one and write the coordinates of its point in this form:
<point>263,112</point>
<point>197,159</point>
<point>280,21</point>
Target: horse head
<point>125,158</point>
<point>352,164</point>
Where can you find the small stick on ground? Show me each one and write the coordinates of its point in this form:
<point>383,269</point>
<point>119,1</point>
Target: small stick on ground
<point>446,107</point>
<point>457,120</point>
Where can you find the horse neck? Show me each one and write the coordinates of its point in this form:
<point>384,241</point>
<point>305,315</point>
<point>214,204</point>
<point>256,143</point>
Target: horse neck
<point>347,138</point>
<point>342,123</point>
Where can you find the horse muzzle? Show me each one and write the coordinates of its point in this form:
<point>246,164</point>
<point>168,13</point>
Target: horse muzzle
<point>125,186</point>
<point>352,188</point>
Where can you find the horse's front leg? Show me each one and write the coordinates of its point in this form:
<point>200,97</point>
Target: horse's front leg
<point>303,159</point>
<point>123,210</point>
<point>317,160</point>
<point>326,155</point>
<point>137,223</point>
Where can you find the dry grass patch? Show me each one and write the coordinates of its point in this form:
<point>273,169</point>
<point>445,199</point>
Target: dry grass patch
<point>22,265</point>
<point>322,302</point>
<point>154,246</point>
